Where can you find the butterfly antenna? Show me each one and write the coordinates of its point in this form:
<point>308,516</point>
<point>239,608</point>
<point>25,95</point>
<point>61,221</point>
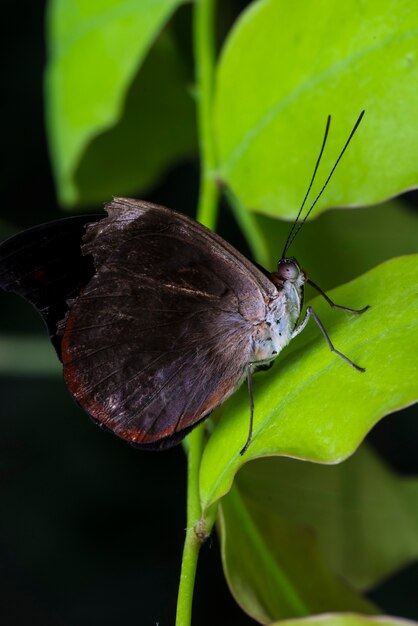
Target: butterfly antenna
<point>294,232</point>
<point>290,238</point>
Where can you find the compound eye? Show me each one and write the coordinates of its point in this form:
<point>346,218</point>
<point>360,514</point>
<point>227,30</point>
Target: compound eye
<point>288,269</point>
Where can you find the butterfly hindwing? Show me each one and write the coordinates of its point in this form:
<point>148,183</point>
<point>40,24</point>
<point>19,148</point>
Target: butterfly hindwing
<point>162,333</point>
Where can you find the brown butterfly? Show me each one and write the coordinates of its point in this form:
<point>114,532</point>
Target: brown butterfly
<point>156,319</point>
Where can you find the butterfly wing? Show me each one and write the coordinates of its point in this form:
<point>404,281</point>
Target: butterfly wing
<point>162,333</point>
<point>45,266</point>
<point>156,315</point>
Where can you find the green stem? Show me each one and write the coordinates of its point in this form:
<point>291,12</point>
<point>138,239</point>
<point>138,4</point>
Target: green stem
<point>187,578</point>
<point>249,226</point>
<point>193,540</point>
<point>198,527</point>
<point>204,52</point>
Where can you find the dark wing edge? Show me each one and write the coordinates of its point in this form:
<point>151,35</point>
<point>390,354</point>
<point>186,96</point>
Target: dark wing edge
<point>45,266</point>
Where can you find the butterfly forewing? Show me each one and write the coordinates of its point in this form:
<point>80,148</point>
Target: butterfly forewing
<point>45,266</point>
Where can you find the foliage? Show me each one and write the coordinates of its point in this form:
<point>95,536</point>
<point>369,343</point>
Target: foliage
<point>120,111</point>
<point>95,50</point>
<point>301,61</point>
<point>294,534</point>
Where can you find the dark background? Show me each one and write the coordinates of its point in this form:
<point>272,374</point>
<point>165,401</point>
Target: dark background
<point>91,530</point>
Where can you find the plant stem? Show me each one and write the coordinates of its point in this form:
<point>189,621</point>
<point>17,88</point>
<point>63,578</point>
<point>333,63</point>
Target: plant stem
<point>204,52</point>
<point>193,541</point>
<point>187,578</point>
<point>249,226</point>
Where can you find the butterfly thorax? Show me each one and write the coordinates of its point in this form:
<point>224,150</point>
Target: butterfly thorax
<point>282,314</point>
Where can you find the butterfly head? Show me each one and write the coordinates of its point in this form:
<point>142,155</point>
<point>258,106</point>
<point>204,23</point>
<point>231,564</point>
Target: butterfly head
<point>288,270</point>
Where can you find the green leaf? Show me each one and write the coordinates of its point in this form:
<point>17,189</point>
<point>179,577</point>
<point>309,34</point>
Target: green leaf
<point>340,245</point>
<point>312,405</point>
<point>30,355</point>
<point>156,129</point>
<point>95,49</point>
<point>350,508</point>
<point>284,68</point>
<point>346,620</point>
<point>273,567</point>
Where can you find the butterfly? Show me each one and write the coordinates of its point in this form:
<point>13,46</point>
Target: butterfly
<point>156,319</point>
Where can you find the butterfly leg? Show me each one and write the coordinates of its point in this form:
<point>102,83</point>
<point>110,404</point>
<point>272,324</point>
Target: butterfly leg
<point>311,313</point>
<point>250,393</point>
<point>336,306</point>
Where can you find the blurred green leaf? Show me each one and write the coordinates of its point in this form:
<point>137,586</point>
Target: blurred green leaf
<point>314,406</point>
<point>341,245</point>
<point>273,567</point>
<point>156,129</point>
<point>25,355</point>
<point>95,50</point>
<point>284,68</point>
<point>352,508</point>
<point>346,620</point>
